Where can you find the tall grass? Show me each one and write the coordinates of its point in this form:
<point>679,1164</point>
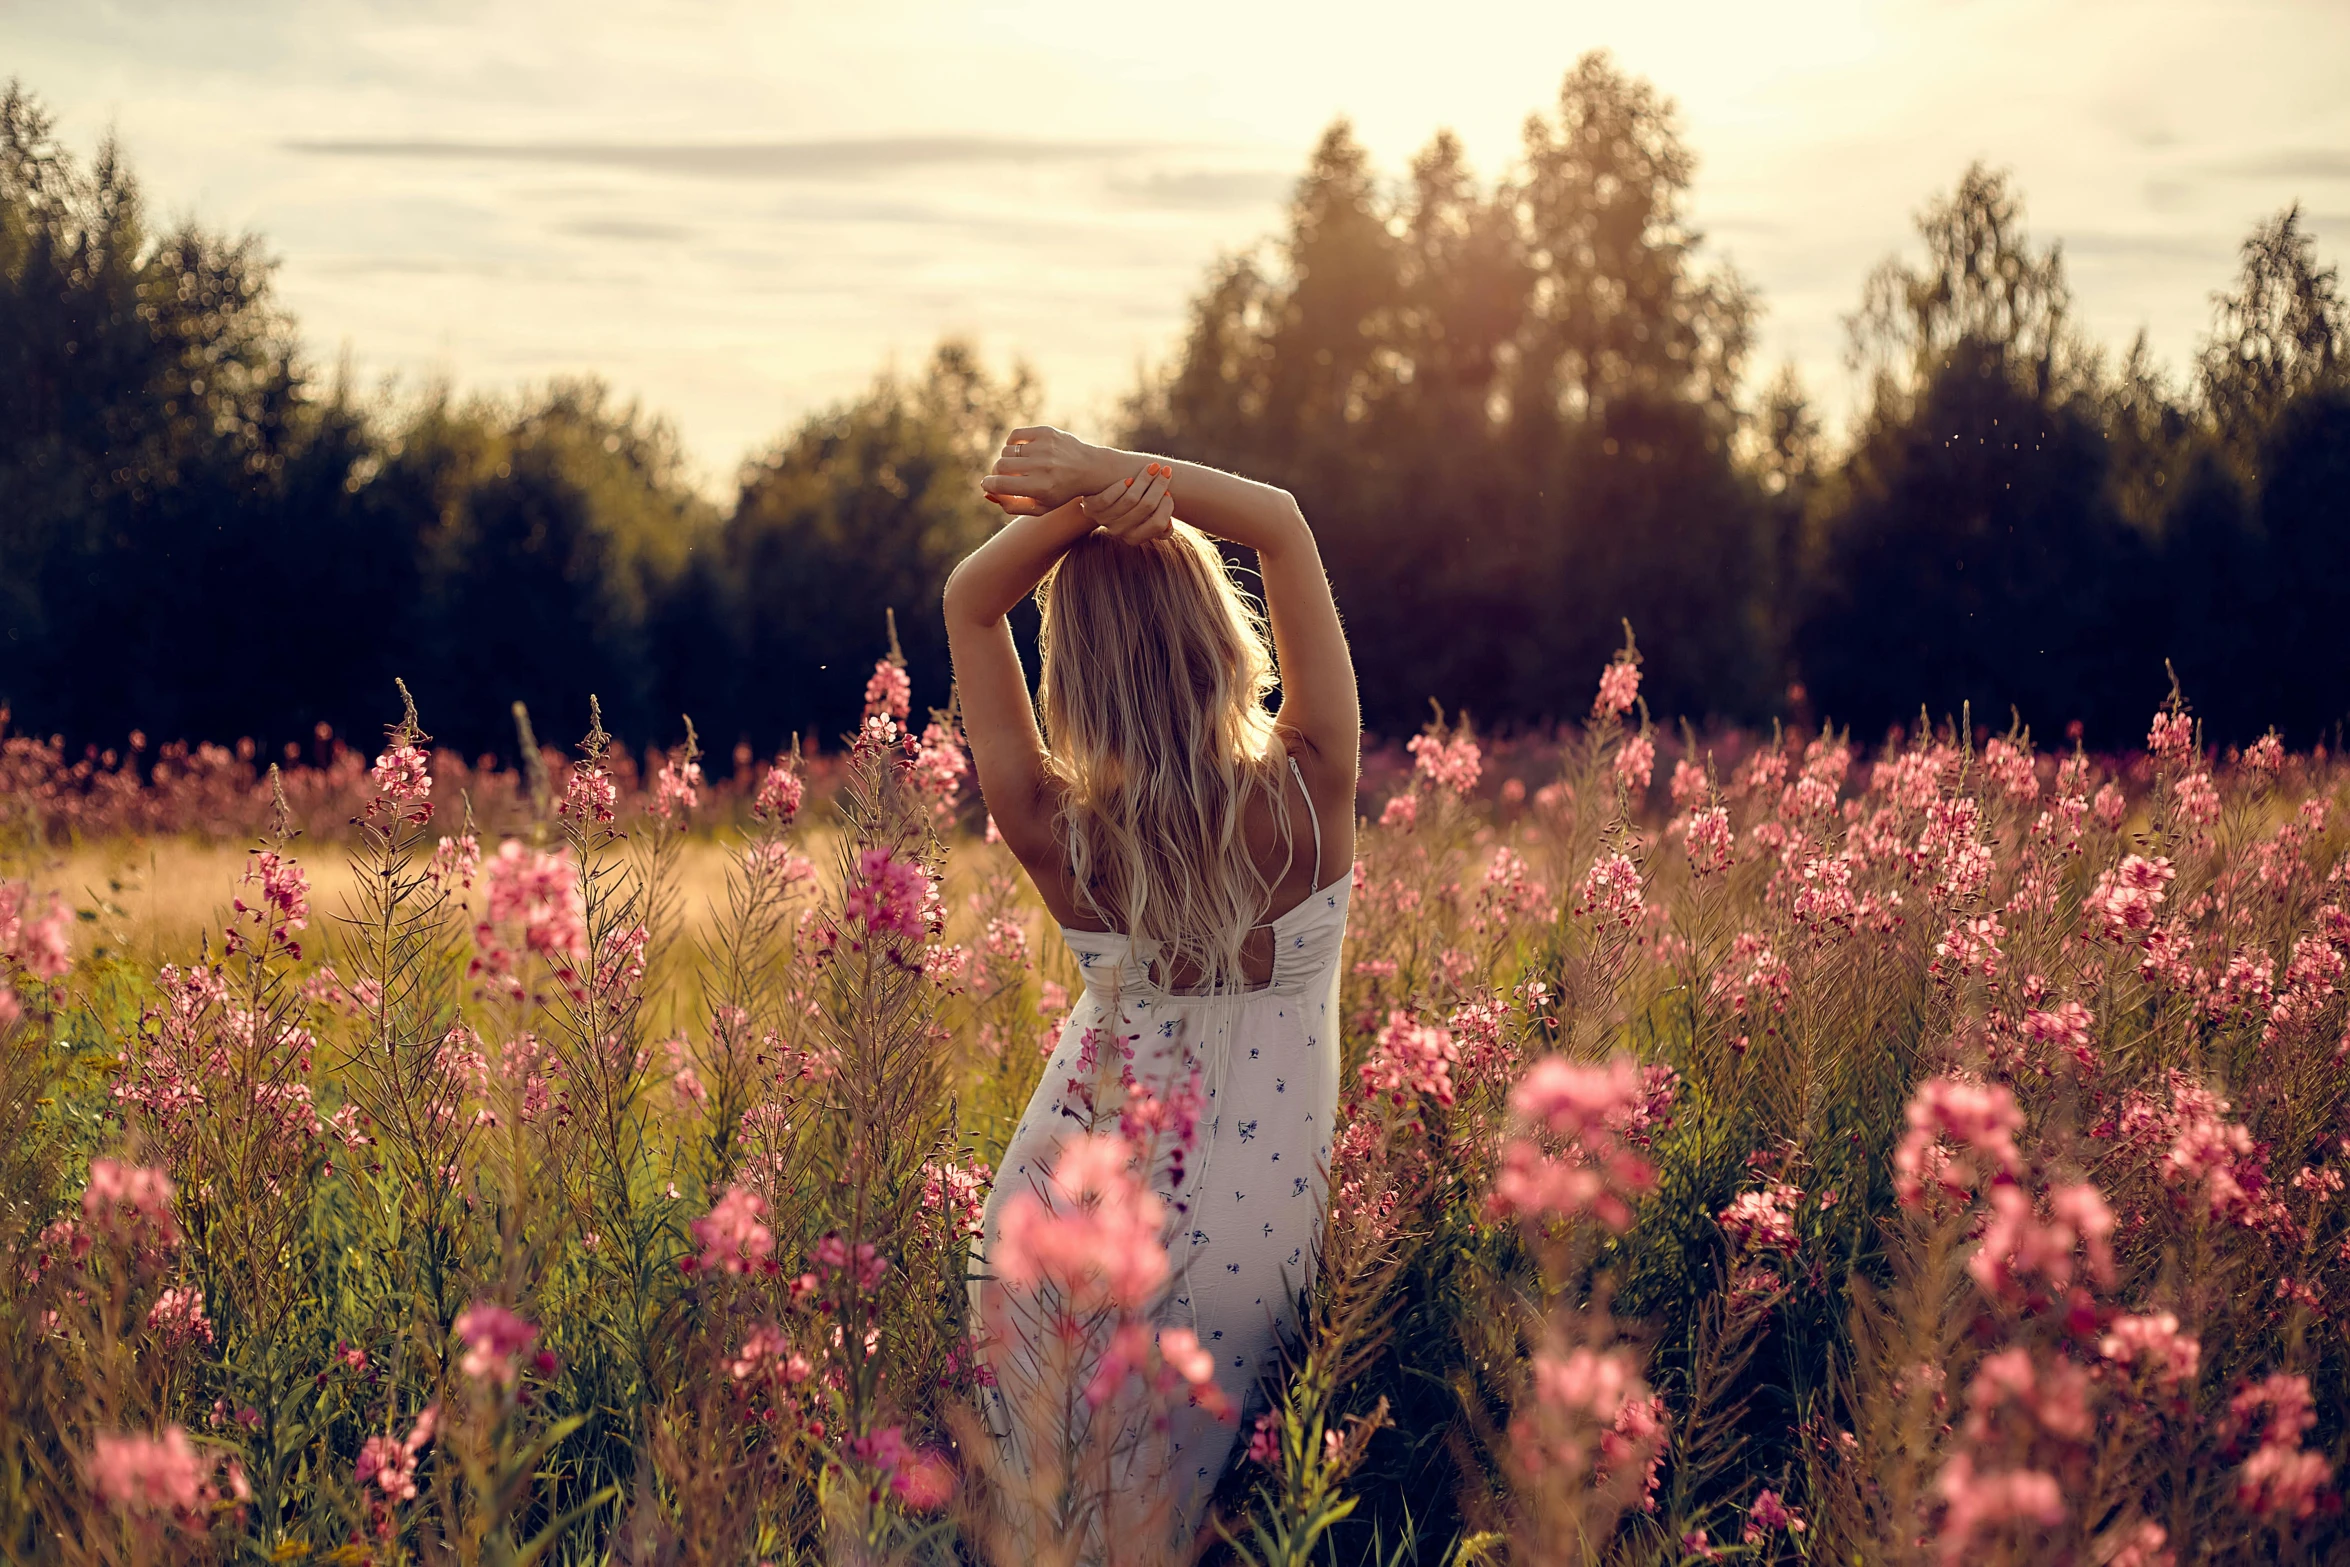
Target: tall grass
<point>1755,1149</point>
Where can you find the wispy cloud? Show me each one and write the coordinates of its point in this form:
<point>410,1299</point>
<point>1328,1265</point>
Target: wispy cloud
<point>1207,189</point>
<point>2307,163</point>
<point>841,159</point>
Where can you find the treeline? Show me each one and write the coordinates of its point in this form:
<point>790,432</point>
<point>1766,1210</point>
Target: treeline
<point>1519,413</point>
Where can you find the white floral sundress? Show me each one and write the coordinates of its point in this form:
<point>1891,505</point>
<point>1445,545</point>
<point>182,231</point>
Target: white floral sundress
<point>1244,1241</point>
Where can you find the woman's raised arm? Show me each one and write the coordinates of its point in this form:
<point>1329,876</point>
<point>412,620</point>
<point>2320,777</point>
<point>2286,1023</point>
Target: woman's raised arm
<point>1042,468</point>
<point>999,719</point>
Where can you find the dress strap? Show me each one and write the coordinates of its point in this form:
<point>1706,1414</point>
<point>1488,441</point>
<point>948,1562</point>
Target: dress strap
<point>1313,816</point>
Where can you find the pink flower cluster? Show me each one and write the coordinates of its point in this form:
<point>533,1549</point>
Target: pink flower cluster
<point>2280,1477</point>
<point>1706,833</point>
<point>1610,892</point>
<point>589,795</point>
<point>1982,1118</point>
<point>957,1193</point>
<point>1635,763</point>
<point>177,1318</point>
<point>1410,1058</point>
<point>389,1463</point>
<point>732,1238</point>
<point>889,693</point>
<point>1763,1219</point>
<point>677,789</point>
<point>2125,898</point>
<point>455,862</point>
<point>2195,1144</point>
<point>131,1204</point>
<point>1572,1155</point>
<point>1590,1413</point>
<point>1451,765</point>
<point>922,1479</point>
<point>534,908</point>
<point>2172,736</point>
<point>940,766</point>
<point>2155,1342</point>
<point>889,894</point>
<point>2018,1245</point>
<point>283,908</point>
<point>767,1353</point>
<point>1095,1235</point>
<point>1619,688</point>
<point>403,785</point>
<point>161,1478</point>
<point>780,794</point>
<point>41,945</point>
<point>494,1341</point>
<point>1768,1516</point>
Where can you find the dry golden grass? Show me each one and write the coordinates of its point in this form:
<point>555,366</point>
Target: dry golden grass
<point>157,898</point>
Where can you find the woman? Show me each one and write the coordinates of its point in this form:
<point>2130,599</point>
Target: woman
<point>1197,850</point>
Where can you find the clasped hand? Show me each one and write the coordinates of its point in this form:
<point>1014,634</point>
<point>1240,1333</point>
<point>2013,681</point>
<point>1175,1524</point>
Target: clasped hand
<point>1042,469</point>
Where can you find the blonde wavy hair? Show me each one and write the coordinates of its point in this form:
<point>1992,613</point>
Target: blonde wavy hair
<point>1156,672</point>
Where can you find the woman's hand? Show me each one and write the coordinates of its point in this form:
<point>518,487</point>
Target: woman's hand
<point>1135,512</point>
<point>1041,468</point>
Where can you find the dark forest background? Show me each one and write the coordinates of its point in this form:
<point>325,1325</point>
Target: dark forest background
<point>1517,413</point>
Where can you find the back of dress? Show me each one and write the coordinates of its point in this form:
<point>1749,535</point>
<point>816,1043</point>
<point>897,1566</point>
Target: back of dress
<point>1247,1197</point>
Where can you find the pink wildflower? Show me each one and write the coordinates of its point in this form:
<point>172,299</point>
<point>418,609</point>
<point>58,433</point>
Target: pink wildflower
<point>1976,1503</point>
<point>389,1463</point>
<point>493,1337</point>
<point>2018,1245</point>
<point>779,796</point>
<point>1451,765</point>
<point>589,795</point>
<point>177,1317</point>
<point>131,1203</point>
<point>455,862</point>
<point>889,894</point>
<point>2172,735</point>
<point>161,1475</point>
<point>1411,1058</point>
<point>730,1234</point>
<point>403,785</point>
<point>45,945</point>
<point>2281,1477</point>
<point>1619,688</point>
<point>2125,898</point>
<point>1611,891</point>
<point>1094,1235</point>
<point>2155,1341</point>
<point>889,693</point>
<point>677,789</point>
<point>1764,1218</point>
<point>1768,1516</point>
<point>1584,1114</point>
<point>1636,763</point>
<point>1689,785</point>
<point>1708,838</point>
<point>1981,1117</point>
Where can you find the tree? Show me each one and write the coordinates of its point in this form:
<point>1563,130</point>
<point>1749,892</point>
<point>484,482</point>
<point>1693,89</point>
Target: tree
<point>1509,411</point>
<point>864,508</point>
<point>2305,518</point>
<point>2281,332</point>
<point>552,537</point>
<point>1979,556</point>
<point>1980,560</point>
<point>1983,289</point>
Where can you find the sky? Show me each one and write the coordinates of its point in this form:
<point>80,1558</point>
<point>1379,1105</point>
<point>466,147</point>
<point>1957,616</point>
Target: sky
<point>740,212</point>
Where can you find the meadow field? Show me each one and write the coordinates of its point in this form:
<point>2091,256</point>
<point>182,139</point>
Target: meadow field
<point>1926,1147</point>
